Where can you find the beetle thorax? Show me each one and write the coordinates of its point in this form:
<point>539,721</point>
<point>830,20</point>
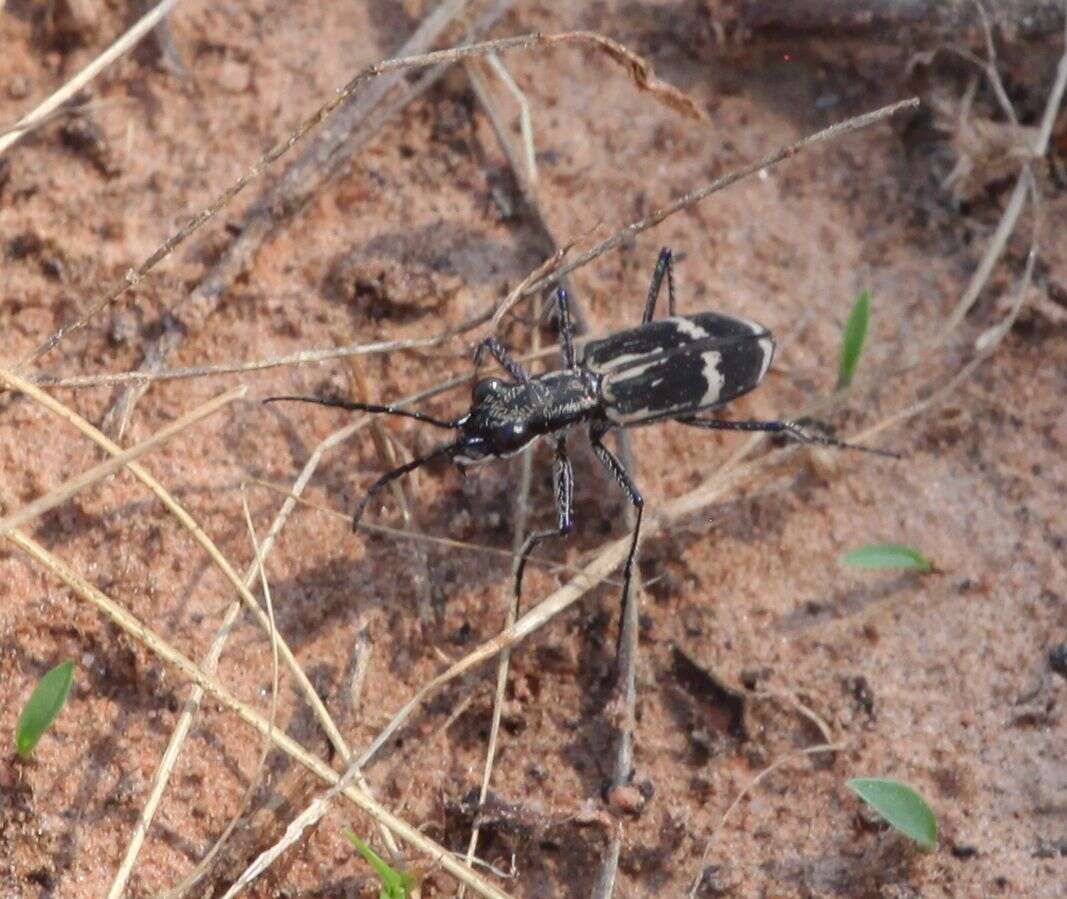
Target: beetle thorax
<point>506,418</point>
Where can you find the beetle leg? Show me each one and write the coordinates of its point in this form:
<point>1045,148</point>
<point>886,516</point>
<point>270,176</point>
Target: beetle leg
<point>792,428</point>
<point>663,267</point>
<point>566,327</point>
<point>611,462</point>
<point>563,487</point>
<point>494,346</point>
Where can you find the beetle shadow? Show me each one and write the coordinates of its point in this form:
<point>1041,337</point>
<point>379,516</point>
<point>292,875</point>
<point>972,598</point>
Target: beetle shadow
<point>405,275</point>
<point>844,604</point>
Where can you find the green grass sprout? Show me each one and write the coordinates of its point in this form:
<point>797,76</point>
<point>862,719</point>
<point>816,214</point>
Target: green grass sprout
<point>887,556</point>
<point>852,341</point>
<point>395,884</point>
<point>41,709</point>
<point>903,808</point>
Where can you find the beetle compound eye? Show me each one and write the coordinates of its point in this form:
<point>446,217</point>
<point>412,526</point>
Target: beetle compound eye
<point>483,390</point>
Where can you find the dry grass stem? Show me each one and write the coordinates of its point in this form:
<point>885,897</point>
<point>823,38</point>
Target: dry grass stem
<point>639,70</point>
<point>161,648</point>
<point>105,469</point>
<point>419,536</point>
<point>836,130</point>
<point>519,291</point>
<point>128,40</point>
<point>525,118</point>
<point>304,357</point>
<point>794,702</point>
<point>1024,182</point>
<point>202,869</point>
<point>307,357</point>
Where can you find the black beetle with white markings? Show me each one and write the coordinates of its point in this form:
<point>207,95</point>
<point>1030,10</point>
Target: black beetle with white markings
<point>668,369</point>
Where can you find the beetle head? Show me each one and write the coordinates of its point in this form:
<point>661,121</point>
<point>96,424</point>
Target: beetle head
<point>496,425</point>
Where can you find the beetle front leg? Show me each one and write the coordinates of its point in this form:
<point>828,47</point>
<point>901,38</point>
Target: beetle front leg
<point>563,487</point>
<point>664,266</point>
<point>611,462</point>
<point>494,346</point>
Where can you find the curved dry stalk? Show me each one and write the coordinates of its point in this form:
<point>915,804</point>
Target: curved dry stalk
<point>751,785</point>
<point>793,701</point>
<point>304,357</point>
<point>525,119</point>
<point>188,668</point>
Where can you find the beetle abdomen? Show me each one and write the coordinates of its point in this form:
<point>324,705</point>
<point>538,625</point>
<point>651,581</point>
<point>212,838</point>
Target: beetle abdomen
<point>678,366</point>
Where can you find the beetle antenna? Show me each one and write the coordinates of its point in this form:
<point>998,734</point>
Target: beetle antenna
<point>445,449</point>
<point>365,407</point>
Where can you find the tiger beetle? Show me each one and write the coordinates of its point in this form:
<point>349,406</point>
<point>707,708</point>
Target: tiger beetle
<point>662,370</point>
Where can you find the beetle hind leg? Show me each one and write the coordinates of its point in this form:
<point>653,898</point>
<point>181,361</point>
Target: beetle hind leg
<point>611,462</point>
<point>791,428</point>
<point>563,487</point>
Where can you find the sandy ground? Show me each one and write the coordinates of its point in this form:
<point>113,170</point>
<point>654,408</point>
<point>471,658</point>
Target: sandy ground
<point>941,680</point>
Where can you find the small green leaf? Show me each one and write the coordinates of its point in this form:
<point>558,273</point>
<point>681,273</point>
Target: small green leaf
<point>854,336</point>
<point>395,884</point>
<point>887,556</point>
<point>42,707</point>
<point>901,806</point>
